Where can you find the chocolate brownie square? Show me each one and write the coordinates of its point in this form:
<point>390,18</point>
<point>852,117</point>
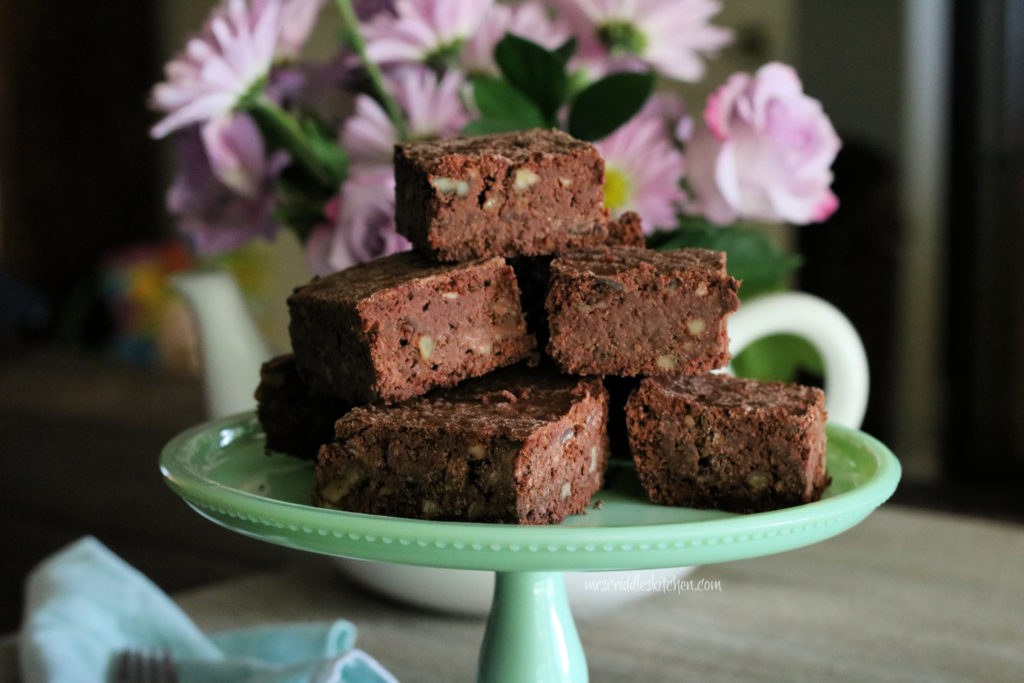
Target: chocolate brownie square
<point>522,193</point>
<point>519,446</point>
<point>399,326</point>
<point>626,311</point>
<point>715,441</point>
<point>295,421</point>
<point>534,272</point>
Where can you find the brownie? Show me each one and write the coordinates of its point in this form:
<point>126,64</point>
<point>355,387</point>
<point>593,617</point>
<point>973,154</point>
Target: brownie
<point>295,421</point>
<point>715,441</point>
<point>626,311</point>
<point>534,272</point>
<point>522,193</point>
<point>518,446</point>
<point>626,230</point>
<point>399,326</point>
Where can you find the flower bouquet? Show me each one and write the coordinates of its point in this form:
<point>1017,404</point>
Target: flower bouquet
<point>267,139</point>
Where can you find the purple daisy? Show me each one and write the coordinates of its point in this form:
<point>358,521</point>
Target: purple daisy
<point>669,36</point>
<point>432,106</point>
<point>423,31</point>
<point>213,215</point>
<point>232,54</point>
<point>530,20</point>
<point>643,164</point>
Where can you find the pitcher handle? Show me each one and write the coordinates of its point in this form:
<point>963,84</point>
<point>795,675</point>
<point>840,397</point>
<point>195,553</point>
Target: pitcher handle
<point>827,329</point>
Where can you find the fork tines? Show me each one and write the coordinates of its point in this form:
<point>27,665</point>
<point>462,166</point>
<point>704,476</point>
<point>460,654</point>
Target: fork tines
<point>138,666</point>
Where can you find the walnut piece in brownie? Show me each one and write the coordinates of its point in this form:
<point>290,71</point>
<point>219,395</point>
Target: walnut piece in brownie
<point>518,446</point>
<point>626,311</point>
<point>295,421</point>
<point>399,326</point>
<point>522,193</point>
<point>715,441</point>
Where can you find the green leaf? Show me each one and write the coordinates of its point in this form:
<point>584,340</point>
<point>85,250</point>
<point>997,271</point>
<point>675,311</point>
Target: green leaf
<point>490,126</point>
<point>321,158</point>
<point>779,358</point>
<point>608,103</point>
<point>566,50</point>
<point>500,100</point>
<point>752,257</point>
<point>333,157</point>
<point>538,73</point>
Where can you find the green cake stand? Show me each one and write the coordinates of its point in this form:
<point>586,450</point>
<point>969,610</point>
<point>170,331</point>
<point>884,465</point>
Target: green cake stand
<point>220,469</point>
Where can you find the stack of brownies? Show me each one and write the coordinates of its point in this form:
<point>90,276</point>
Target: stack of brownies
<point>466,379</point>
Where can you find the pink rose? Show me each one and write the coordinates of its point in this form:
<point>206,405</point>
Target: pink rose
<point>215,216</point>
<point>764,152</point>
<point>360,223</point>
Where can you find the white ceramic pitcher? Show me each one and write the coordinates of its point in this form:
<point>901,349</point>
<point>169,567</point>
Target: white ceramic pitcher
<point>231,351</point>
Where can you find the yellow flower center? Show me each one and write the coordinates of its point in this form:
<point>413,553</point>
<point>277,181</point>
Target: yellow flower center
<point>617,188</point>
<point>622,38</point>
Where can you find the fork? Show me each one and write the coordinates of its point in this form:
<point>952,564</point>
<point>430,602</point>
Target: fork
<point>138,666</point>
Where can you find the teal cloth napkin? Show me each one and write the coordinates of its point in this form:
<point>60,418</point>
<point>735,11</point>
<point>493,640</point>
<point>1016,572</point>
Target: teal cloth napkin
<point>84,605</point>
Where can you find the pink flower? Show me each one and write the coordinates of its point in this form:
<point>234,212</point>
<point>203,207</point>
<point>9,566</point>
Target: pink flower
<point>670,36</point>
<point>643,165</point>
<point>361,224</point>
<point>368,135</point>
<point>432,107</point>
<point>529,20</point>
<point>364,225</point>
<point>425,31</point>
<point>235,153</point>
<point>321,89</point>
<point>234,52</point>
<point>297,20</point>
<point>213,215</point>
<point>764,152</point>
<point>367,9</point>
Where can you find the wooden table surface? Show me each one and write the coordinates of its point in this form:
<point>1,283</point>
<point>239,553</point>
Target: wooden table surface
<point>80,436</point>
<point>907,595</point>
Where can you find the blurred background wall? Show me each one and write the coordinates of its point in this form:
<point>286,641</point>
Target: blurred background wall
<point>923,254</point>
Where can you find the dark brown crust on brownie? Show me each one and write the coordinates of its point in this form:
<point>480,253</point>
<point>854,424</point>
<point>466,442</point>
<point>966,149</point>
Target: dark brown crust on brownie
<point>714,441</point>
<point>534,272</point>
<point>518,446</point>
<point>399,326</point>
<point>524,193</point>
<point>295,421</point>
<point>626,311</point>
<point>626,230</point>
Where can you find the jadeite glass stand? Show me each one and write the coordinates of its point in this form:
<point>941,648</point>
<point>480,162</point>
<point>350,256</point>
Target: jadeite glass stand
<point>221,470</point>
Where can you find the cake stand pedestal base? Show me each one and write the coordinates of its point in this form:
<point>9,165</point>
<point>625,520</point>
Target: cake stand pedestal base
<point>531,635</point>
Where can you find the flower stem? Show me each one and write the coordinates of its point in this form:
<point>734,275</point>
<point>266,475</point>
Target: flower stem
<point>350,26</point>
<point>323,163</point>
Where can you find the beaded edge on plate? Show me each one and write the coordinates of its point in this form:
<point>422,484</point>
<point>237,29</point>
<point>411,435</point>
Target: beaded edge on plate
<point>782,530</point>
